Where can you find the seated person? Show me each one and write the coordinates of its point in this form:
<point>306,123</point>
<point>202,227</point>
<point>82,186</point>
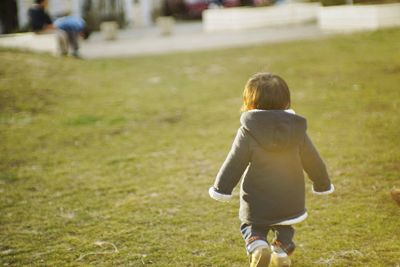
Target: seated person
<point>39,19</point>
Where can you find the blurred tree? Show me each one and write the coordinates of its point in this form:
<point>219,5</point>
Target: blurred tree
<point>96,11</point>
<point>246,2</point>
<point>343,2</point>
<point>8,16</point>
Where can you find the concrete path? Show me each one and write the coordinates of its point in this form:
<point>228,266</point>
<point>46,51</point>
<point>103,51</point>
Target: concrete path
<point>189,37</point>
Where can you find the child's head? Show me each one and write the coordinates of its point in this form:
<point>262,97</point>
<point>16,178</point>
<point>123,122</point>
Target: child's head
<point>266,91</point>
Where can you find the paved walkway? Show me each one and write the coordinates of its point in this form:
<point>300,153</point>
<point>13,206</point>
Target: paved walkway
<point>189,37</point>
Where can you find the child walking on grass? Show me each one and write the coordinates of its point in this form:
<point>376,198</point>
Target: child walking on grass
<point>270,151</point>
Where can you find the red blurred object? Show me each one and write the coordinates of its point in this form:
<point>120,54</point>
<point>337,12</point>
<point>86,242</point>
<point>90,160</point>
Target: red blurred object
<point>191,9</point>
<point>195,7</point>
<point>231,3</point>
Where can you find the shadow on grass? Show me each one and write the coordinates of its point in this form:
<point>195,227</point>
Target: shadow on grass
<point>83,120</point>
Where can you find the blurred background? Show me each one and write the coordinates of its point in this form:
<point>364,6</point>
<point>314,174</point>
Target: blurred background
<point>134,13</point>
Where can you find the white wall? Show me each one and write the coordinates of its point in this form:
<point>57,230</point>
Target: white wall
<point>59,7</point>
<point>23,6</point>
<point>249,17</point>
<point>31,42</point>
<point>359,17</point>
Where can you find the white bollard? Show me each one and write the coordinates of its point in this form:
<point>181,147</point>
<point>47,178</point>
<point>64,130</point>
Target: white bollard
<point>109,29</point>
<point>165,24</point>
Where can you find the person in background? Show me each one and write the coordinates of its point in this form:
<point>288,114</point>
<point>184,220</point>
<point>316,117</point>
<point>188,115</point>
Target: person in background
<point>66,28</point>
<point>74,27</point>
<point>39,19</point>
<point>41,23</point>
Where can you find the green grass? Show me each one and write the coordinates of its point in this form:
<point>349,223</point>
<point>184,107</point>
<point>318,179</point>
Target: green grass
<point>123,151</point>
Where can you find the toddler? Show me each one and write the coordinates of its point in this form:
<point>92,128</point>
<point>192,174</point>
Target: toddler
<point>270,151</point>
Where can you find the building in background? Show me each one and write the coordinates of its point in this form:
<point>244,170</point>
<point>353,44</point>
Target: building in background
<point>126,12</point>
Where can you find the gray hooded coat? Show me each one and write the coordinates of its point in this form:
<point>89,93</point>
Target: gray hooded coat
<point>271,149</point>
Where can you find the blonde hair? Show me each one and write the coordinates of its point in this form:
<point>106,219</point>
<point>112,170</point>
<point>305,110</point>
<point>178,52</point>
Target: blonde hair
<point>266,91</point>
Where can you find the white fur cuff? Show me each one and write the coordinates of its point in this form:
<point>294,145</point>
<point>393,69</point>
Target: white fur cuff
<point>291,111</point>
<point>330,191</point>
<point>218,196</point>
<point>294,220</point>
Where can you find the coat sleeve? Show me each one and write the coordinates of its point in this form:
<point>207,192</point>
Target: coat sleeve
<point>235,164</point>
<point>315,167</point>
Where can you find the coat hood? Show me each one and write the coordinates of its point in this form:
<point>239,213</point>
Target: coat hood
<point>274,130</point>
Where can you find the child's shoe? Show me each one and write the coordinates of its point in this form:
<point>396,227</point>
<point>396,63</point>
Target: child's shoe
<point>279,257</point>
<point>396,195</point>
<point>260,257</point>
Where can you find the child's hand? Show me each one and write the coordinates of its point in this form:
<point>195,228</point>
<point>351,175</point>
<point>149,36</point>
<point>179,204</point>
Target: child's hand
<point>327,192</point>
<point>214,194</point>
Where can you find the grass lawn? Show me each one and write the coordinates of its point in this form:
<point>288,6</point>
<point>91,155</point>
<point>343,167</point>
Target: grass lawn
<point>108,162</point>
